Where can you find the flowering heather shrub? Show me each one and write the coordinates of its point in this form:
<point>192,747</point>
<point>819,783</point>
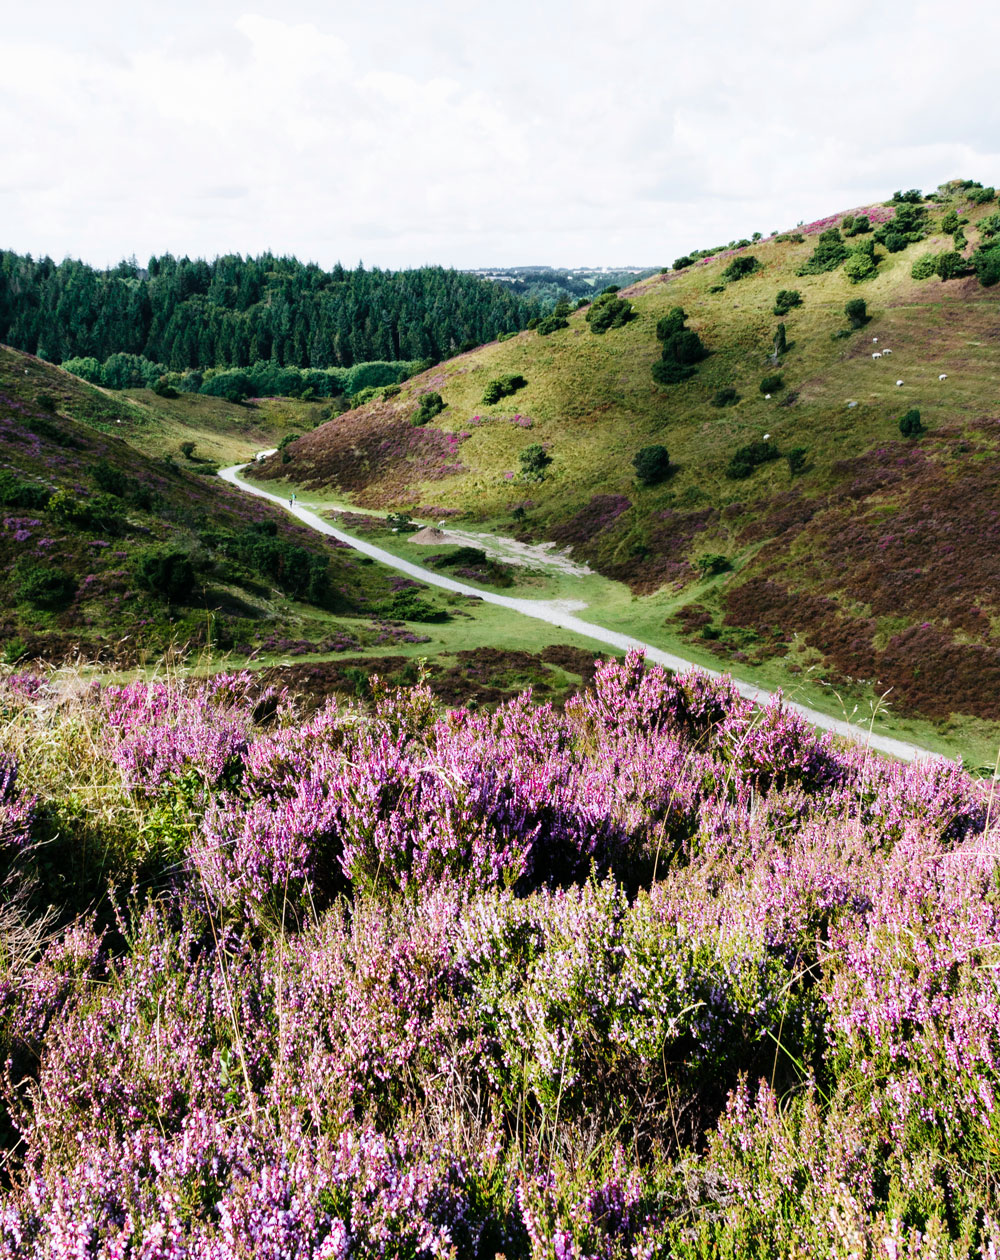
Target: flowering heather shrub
<point>15,809</point>
<point>664,974</point>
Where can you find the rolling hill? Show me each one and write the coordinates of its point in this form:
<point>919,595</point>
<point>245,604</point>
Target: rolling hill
<point>797,527</point>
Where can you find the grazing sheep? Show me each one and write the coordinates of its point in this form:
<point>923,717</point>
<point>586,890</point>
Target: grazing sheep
<point>876,355</point>
<point>766,397</point>
<point>887,350</point>
<point>766,436</point>
<point>874,341</point>
<point>943,376</point>
<point>899,382</point>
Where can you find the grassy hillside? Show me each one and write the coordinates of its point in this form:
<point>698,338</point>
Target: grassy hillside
<point>117,553</point>
<point>876,564</point>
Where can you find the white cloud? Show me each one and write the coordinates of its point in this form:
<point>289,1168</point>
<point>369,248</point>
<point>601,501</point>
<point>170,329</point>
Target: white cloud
<point>473,133</point>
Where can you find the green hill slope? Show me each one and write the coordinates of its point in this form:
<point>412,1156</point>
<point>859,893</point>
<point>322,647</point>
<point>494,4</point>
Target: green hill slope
<point>872,557</point>
<point>118,549</point>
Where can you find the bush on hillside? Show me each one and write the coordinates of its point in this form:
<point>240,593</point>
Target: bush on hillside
<point>609,311</point>
<point>924,267</point>
<point>895,242</point>
<point>502,387</point>
<point>534,461</point>
<point>43,586</point>
<point>909,423</point>
<point>669,372</point>
<point>18,493</point>
<point>780,341</point>
<point>685,260</point>
<point>86,368</point>
<point>786,300</point>
<point>652,464</point>
<point>727,397</point>
<point>950,265</point>
<point>771,384</point>
<point>857,312</point>
<point>551,323</point>
<point>430,405</point>
<point>860,266</point>
<point>100,513</point>
<point>829,253</point>
<point>796,458</point>
<point>684,347</point>
<point>986,265</point>
<point>670,323</point>
<point>741,267</point>
<point>111,479</point>
<point>747,458</point>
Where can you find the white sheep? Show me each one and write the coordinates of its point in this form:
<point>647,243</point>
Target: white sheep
<point>766,436</point>
<point>887,350</point>
<point>766,397</point>
<point>899,382</point>
<point>943,376</point>
<point>876,355</point>
<point>874,341</point>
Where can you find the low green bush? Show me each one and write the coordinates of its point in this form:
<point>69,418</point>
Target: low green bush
<point>502,387</point>
<point>909,423</point>
<point>727,397</point>
<point>741,267</point>
<point>430,405</point>
<point>856,311</point>
<point>924,267</point>
<point>609,311</point>
<point>747,458</point>
<point>771,384</point>
<point>166,573</point>
<point>43,586</point>
<point>15,492</point>
<point>652,464</point>
<point>786,300</point>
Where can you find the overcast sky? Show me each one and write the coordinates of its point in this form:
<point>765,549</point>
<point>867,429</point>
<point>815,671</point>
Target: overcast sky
<point>472,133</point>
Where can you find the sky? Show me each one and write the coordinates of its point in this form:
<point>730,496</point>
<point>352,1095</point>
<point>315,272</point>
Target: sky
<point>470,134</point>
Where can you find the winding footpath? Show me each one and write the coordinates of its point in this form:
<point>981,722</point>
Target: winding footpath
<point>560,613</point>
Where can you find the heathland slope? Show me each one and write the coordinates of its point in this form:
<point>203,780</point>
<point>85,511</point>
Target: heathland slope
<point>795,519</point>
<point>116,552</point>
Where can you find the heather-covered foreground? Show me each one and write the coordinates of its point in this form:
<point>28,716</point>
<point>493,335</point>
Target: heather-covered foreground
<point>661,975</point>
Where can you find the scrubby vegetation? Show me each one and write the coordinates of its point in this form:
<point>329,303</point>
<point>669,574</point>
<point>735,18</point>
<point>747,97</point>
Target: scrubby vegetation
<point>661,975</point>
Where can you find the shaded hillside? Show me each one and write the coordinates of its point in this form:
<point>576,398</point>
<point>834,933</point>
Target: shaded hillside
<point>109,552</point>
<point>804,524</point>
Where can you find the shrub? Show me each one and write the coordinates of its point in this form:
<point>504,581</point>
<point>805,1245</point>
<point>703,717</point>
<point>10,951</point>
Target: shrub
<point>685,260</point>
<point>951,222</point>
<point>986,264</point>
<point>796,458</point>
<point>780,340</point>
<point>652,464</point>
<point>609,311</point>
<point>786,299</point>
<point>534,461</point>
<point>909,423</point>
<point>668,372</point>
<point>389,391</point>
<point>925,267</point>
<point>168,574</point>
<point>950,265</point>
<point>771,384</point>
<point>829,253</point>
<point>552,323</point>
<point>860,267</point>
<point>233,386</point>
<point>913,196</point>
<point>43,586</point>
<point>430,405</point>
<point>895,242</point>
<point>88,369</point>
<point>502,387</point>
<point>740,267</point>
<point>727,397</point>
<point>101,513</point>
<point>716,288</point>
<point>747,458</point>
<point>670,323</point>
<point>857,312</point>
<point>684,347</point>
<point>187,449</point>
<point>711,564</point>
<point>111,479</point>
<point>15,493</point>
<point>855,226</point>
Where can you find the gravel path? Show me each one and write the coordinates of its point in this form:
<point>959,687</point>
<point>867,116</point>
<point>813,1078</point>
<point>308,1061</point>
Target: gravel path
<point>559,612</point>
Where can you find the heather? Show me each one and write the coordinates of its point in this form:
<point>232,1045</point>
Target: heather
<point>656,974</point>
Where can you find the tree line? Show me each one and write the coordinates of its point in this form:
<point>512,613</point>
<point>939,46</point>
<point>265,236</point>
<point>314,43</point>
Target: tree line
<point>234,311</point>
